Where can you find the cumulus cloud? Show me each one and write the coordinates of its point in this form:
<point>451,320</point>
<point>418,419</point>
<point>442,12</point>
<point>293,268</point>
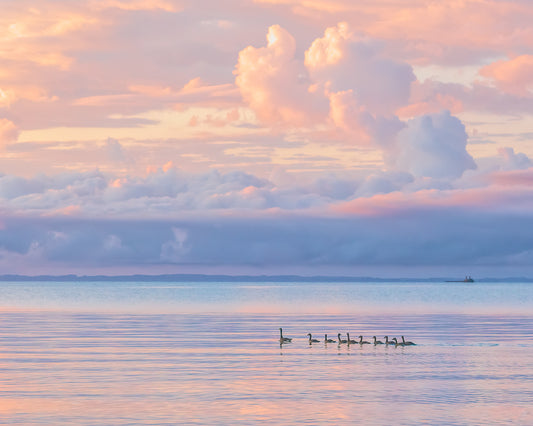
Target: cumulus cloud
<point>358,123</point>
<point>273,82</point>
<point>432,146</point>
<point>161,192</point>
<point>345,84</point>
<point>341,61</point>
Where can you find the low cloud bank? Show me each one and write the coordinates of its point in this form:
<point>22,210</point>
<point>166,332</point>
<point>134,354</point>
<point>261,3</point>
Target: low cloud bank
<point>418,236</point>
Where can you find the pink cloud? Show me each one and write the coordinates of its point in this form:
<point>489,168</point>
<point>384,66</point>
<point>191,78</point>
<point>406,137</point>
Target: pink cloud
<point>165,5</point>
<point>8,132</point>
<point>347,115</point>
<point>513,76</point>
<point>424,101</point>
<point>431,96</point>
<point>498,198</point>
<point>342,61</point>
<point>361,86</point>
<point>423,31</point>
<point>359,125</point>
<point>513,178</point>
<point>273,82</point>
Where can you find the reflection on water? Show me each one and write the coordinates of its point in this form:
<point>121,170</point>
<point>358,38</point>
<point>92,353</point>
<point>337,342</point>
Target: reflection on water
<point>270,297</point>
<point>131,366</point>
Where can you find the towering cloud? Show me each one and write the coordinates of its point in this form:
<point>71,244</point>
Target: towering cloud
<point>342,61</point>
<point>345,84</point>
<point>273,82</point>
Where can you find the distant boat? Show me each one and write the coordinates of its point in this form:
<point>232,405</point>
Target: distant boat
<point>468,279</point>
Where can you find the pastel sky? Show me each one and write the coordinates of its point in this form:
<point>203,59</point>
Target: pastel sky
<point>370,137</point>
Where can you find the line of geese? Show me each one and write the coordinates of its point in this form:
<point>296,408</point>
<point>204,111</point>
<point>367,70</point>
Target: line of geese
<point>348,341</point>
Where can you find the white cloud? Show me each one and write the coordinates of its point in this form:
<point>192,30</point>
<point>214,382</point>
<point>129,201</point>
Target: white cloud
<point>432,146</point>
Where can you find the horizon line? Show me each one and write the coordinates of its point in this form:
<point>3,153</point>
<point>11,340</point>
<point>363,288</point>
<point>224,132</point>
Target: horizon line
<point>241,278</point>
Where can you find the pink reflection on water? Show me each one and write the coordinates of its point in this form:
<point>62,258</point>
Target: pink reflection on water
<point>145,368</point>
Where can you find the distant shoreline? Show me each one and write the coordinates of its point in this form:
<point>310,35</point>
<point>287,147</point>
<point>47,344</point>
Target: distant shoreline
<point>242,278</point>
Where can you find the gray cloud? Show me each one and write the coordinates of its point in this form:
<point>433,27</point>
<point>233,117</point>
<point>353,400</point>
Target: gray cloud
<point>418,236</point>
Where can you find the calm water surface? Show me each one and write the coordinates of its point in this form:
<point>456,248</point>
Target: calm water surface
<point>208,353</point>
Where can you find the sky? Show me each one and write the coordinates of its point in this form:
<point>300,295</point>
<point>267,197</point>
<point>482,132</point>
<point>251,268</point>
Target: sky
<point>378,137</point>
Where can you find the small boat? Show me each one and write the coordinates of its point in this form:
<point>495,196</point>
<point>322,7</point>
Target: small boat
<point>468,279</point>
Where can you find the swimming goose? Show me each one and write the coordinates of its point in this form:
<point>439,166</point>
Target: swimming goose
<point>341,340</point>
<point>395,343</point>
<point>387,341</point>
<point>363,342</point>
<point>326,340</point>
<point>283,339</point>
<point>407,343</point>
<point>350,341</point>
<point>311,340</point>
<point>377,342</point>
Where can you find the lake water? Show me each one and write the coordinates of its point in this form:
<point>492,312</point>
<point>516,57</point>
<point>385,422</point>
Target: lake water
<point>157,353</point>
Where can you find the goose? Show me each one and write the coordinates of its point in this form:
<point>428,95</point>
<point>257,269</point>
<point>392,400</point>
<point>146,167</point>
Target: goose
<point>387,341</point>
<point>341,340</point>
<point>311,340</point>
<point>326,340</point>
<point>350,341</point>
<point>407,343</point>
<point>283,339</point>
<point>395,343</point>
<point>377,342</point>
<point>363,342</point>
